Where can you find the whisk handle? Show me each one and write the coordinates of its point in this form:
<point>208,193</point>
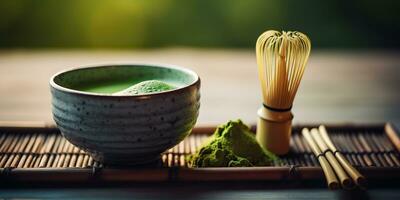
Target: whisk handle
<point>274,129</point>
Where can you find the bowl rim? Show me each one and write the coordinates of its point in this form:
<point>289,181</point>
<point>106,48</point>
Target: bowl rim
<point>56,86</point>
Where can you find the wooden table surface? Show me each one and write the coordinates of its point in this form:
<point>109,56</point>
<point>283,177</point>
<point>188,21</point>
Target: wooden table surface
<point>338,86</point>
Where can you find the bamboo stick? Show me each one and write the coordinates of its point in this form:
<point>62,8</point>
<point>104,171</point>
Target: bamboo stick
<point>299,144</point>
<point>31,158</point>
<point>68,155</point>
<point>175,153</point>
<point>355,175</point>
<point>75,157</point>
<point>38,152</point>
<point>346,182</point>
<point>307,147</point>
<point>86,161</point>
<point>294,146</point>
<point>53,151</point>
<point>79,162</point>
<point>59,152</point>
<point>36,162</point>
<point>392,135</point>
<point>352,140</point>
<point>164,160</point>
<point>90,161</point>
<point>387,143</point>
<point>46,149</point>
<point>339,144</point>
<point>23,146</point>
<point>7,142</point>
<point>187,145</point>
<point>370,150</point>
<point>3,138</point>
<point>389,149</point>
<point>329,174</point>
<point>379,140</point>
<point>379,149</point>
<point>170,159</point>
<point>192,143</point>
<point>72,162</point>
<point>394,158</point>
<point>11,152</point>
<point>363,158</point>
<point>14,157</point>
<point>10,145</point>
<point>27,149</point>
<point>348,149</point>
<point>63,152</point>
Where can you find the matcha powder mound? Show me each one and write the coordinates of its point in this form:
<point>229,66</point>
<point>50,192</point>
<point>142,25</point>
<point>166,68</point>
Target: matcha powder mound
<point>232,145</point>
<point>146,87</point>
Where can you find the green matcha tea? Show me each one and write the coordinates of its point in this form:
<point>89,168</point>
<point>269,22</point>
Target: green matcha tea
<point>127,87</point>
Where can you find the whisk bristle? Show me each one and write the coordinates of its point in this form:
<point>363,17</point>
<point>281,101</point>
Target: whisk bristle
<point>281,59</point>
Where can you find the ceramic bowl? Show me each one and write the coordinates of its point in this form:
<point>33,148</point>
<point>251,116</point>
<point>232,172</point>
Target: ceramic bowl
<point>125,130</point>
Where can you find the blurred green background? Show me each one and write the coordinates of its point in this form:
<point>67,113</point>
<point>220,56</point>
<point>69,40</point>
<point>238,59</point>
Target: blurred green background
<point>198,23</point>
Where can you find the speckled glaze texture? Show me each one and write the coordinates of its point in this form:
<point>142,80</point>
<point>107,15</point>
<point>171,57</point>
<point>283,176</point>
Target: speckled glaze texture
<point>126,130</point>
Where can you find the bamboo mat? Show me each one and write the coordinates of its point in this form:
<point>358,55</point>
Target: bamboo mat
<point>35,148</point>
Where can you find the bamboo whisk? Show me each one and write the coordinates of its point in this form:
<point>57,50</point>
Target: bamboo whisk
<point>281,59</point>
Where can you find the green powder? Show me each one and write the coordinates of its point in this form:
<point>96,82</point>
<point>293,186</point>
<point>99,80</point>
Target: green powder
<point>232,145</point>
<point>146,87</point>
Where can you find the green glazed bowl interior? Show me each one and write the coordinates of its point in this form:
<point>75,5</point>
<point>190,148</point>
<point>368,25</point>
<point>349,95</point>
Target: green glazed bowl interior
<point>105,80</point>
